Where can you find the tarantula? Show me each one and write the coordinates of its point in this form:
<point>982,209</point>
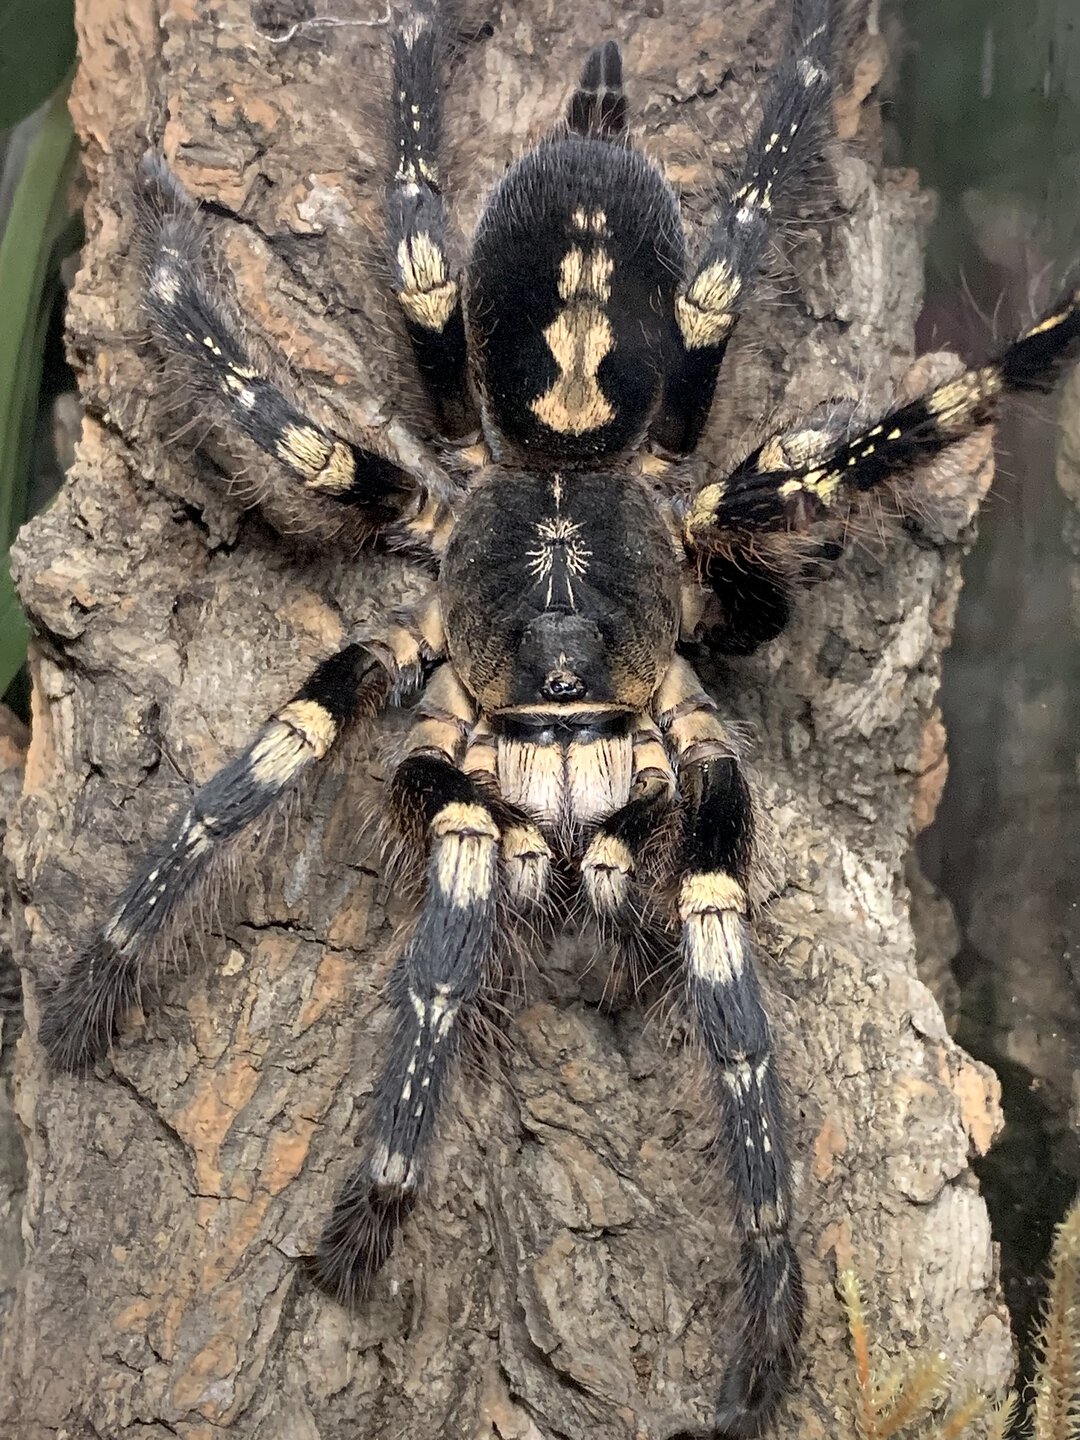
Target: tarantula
<point>561,735</point>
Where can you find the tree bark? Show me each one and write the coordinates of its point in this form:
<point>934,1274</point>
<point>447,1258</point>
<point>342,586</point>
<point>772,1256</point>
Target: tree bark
<point>569,1272</point>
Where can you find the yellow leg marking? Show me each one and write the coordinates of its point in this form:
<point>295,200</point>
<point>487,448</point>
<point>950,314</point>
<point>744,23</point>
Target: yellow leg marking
<point>430,308</point>
<point>702,514</point>
<point>688,716</point>
<point>325,464</point>
<point>444,714</point>
<point>696,728</point>
<point>465,851</point>
<point>526,858</point>
<point>390,1170</point>
<point>700,893</point>
<point>697,327</point>
<point>427,295</point>
<point>705,314</point>
<point>797,450</point>
<point>713,912</point>
<point>1050,323</point>
<point>165,283</point>
<point>954,404</point>
<point>606,869</point>
<point>481,756</point>
<point>809,73</point>
<point>338,474</point>
<point>302,732</point>
<point>438,734</point>
<point>654,466</point>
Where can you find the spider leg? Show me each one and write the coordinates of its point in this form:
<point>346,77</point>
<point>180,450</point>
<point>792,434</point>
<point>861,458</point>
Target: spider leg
<point>81,1013</point>
<point>427,290</point>
<point>820,470</point>
<point>192,318</point>
<point>598,105</point>
<point>725,1004</point>
<point>439,977</point>
<point>525,855</point>
<point>616,852</point>
<point>794,122</point>
<point>752,599</point>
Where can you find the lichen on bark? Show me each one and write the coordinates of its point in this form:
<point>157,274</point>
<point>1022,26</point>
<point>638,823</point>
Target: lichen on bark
<point>570,1271</point>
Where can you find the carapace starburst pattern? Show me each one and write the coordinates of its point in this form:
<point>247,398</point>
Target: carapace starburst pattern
<point>561,734</point>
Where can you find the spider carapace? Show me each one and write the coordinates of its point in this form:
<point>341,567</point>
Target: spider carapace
<point>561,737</point>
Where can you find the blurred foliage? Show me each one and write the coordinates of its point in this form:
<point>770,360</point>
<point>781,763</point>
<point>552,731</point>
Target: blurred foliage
<point>38,152</point>
<point>37,49</point>
<point>989,107</point>
<point>912,1403</point>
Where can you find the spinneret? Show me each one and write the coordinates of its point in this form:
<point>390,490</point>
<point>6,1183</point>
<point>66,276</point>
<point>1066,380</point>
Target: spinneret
<point>562,742</point>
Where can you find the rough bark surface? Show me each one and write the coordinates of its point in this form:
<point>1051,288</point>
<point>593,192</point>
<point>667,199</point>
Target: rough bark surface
<point>569,1273</point>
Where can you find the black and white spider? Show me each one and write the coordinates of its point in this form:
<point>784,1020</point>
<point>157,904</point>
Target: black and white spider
<point>562,738</point>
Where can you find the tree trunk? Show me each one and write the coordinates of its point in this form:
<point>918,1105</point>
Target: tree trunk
<point>569,1272</point>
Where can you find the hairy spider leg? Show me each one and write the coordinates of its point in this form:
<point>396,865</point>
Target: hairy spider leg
<point>794,122</point>
<point>752,599</point>
<point>724,1000</point>
<point>80,1015</point>
<point>525,856</point>
<point>598,105</point>
<point>439,976</point>
<point>821,469</point>
<point>427,289</point>
<point>193,318</point>
<point>612,863</point>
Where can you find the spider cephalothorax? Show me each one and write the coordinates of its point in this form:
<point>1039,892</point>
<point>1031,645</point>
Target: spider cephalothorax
<point>561,730</point>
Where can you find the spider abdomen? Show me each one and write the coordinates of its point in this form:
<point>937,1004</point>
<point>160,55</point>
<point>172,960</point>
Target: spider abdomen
<point>571,288</point>
<point>560,597</point>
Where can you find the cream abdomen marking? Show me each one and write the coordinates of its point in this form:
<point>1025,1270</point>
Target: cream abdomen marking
<point>579,338</point>
<point>592,222</point>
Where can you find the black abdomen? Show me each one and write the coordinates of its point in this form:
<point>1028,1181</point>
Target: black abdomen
<point>571,298</point>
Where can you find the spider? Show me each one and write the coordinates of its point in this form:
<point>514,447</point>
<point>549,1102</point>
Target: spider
<point>562,740</point>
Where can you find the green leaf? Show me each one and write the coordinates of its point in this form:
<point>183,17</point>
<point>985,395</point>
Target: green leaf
<point>37,49</point>
<point>14,631</point>
<point>34,241</point>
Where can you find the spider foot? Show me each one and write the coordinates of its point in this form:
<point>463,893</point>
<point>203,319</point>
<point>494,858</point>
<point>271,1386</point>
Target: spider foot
<point>762,1372</point>
<point>358,1238</point>
<point>750,1396</point>
<point>80,1012</point>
